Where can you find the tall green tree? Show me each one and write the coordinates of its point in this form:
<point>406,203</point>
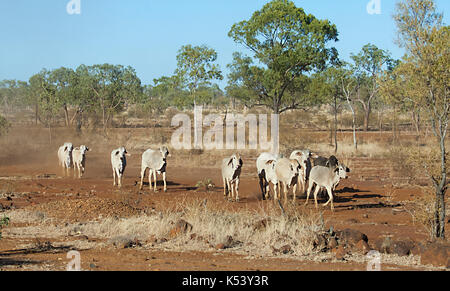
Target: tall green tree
<point>196,67</point>
<point>63,80</point>
<point>326,87</point>
<point>83,99</point>
<point>238,89</point>
<point>368,66</point>
<point>111,88</point>
<point>286,43</point>
<point>13,94</point>
<point>44,92</point>
<point>425,68</point>
<point>349,87</point>
<point>170,91</point>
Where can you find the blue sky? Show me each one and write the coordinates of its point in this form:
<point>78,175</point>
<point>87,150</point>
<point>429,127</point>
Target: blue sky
<point>146,34</point>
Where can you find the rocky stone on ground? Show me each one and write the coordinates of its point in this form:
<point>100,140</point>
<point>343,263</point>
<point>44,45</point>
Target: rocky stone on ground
<point>350,237</point>
<point>436,254</point>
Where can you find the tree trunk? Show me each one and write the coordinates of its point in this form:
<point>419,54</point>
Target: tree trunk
<point>441,188</point>
<point>353,123</point>
<point>50,133</point>
<point>367,112</point>
<point>380,122</point>
<point>439,216</point>
<point>36,113</point>
<point>276,106</point>
<point>354,132</point>
<point>109,117</point>
<point>104,117</point>
<point>355,143</point>
<point>416,120</point>
<point>335,125</point>
<point>66,115</point>
<point>79,121</point>
<point>331,133</point>
<point>394,122</point>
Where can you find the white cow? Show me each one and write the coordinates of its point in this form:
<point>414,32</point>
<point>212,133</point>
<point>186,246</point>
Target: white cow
<point>265,165</point>
<point>79,159</point>
<point>231,171</point>
<point>327,178</point>
<point>119,163</point>
<point>65,157</point>
<point>155,161</point>
<point>287,171</point>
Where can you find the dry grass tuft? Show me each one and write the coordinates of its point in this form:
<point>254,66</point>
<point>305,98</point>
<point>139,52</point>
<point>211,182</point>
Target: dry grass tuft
<point>423,209</point>
<point>252,232</point>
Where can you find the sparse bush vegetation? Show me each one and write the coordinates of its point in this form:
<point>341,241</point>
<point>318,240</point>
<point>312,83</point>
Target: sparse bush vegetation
<point>3,222</point>
<point>4,126</point>
<point>423,209</point>
<point>256,232</point>
<point>397,157</point>
<point>207,184</point>
<point>413,161</point>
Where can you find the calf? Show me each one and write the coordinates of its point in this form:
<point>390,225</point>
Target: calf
<point>325,177</point>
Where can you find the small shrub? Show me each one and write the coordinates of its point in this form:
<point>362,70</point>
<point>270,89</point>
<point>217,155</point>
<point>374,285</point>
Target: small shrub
<point>397,156</point>
<point>4,126</point>
<point>207,184</point>
<point>423,210</point>
<point>3,222</point>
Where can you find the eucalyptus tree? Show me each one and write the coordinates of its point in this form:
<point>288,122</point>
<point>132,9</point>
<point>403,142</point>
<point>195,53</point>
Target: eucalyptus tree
<point>167,91</point>
<point>425,68</point>
<point>43,90</point>
<point>286,44</point>
<point>63,80</point>
<point>111,87</point>
<point>12,94</point>
<point>196,67</point>
<point>84,98</point>
<point>368,66</point>
<point>326,88</point>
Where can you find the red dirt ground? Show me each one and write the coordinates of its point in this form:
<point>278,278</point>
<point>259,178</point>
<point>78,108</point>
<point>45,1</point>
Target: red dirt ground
<point>365,202</point>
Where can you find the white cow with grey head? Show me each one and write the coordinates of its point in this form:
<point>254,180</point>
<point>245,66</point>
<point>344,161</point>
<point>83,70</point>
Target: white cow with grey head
<point>328,178</point>
<point>79,159</point>
<point>156,162</point>
<point>265,165</point>
<point>231,172</point>
<point>119,163</point>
